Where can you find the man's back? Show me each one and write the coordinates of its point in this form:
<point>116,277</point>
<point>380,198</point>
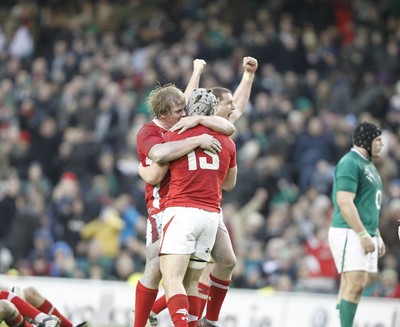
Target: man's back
<point>196,179</point>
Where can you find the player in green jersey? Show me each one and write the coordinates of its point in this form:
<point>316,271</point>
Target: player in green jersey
<point>354,236</point>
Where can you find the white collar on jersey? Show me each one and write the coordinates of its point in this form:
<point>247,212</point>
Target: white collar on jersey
<point>157,122</point>
<point>359,153</point>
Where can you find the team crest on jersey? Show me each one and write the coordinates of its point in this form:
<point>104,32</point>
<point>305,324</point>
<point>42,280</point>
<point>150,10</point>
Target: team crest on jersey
<point>369,175</point>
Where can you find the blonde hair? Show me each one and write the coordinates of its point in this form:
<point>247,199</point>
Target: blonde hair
<point>162,99</point>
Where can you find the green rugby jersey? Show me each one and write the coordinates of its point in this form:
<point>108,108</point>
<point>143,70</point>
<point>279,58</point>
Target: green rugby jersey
<point>354,173</point>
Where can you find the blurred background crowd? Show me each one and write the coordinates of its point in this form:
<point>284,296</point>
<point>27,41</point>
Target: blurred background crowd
<point>74,76</point>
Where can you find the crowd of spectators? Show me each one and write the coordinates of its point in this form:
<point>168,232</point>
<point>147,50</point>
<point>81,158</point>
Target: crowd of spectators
<point>74,76</point>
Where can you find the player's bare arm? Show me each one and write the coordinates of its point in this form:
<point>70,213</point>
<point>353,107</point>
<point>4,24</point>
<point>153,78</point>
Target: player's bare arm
<point>169,151</point>
<point>198,68</point>
<point>230,179</point>
<point>349,211</point>
<point>242,93</point>
<point>154,173</point>
<point>189,122</point>
<point>218,124</point>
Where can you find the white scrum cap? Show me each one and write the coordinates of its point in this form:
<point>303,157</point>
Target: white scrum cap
<point>202,102</point>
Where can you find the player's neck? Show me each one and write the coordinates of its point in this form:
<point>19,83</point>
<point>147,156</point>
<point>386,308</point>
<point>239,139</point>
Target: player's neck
<point>161,124</point>
<point>362,151</point>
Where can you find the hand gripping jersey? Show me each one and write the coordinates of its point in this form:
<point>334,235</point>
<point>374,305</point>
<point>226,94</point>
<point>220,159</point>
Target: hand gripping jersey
<point>148,136</point>
<point>196,179</point>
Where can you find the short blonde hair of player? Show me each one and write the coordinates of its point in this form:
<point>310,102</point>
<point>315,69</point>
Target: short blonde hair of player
<point>163,99</point>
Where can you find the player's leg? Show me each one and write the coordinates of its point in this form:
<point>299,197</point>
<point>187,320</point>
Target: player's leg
<point>173,268</point>
<point>342,286</point>
<point>25,308</point>
<point>11,316</point>
<point>191,282</point>
<point>185,239</point>
<point>354,265</point>
<point>33,296</point>
<point>221,274</point>
<point>204,286</point>
<point>223,255</point>
<point>147,287</point>
<point>355,282</point>
<point>160,304</point>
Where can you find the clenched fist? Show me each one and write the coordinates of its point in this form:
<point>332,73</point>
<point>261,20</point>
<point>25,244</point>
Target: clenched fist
<point>250,64</point>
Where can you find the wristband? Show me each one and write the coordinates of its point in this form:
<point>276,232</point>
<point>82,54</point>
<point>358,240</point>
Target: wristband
<point>362,234</point>
<point>248,76</point>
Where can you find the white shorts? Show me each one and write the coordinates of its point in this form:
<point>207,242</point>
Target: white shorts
<point>221,224</point>
<point>189,231</point>
<point>154,228</point>
<point>348,253</point>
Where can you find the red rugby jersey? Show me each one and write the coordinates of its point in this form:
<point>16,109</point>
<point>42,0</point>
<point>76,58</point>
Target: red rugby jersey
<point>149,135</point>
<point>196,179</point>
